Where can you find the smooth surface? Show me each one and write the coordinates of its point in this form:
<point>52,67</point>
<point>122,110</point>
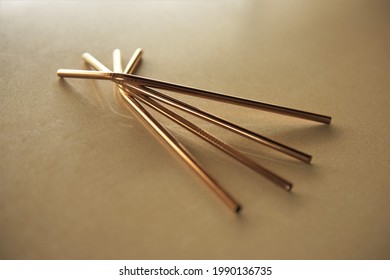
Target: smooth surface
<point>82,178</point>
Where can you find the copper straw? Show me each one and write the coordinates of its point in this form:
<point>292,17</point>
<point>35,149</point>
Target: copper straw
<point>135,89</point>
<point>143,81</point>
<point>142,95</point>
<point>159,130</point>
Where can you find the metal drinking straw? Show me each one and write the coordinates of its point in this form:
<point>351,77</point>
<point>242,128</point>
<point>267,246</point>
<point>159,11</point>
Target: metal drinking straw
<point>214,119</point>
<point>143,96</point>
<point>135,88</point>
<point>160,131</point>
<point>135,80</point>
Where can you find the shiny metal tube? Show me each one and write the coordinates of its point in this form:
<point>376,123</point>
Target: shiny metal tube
<point>161,132</point>
<point>228,125</point>
<point>212,140</point>
<point>143,81</point>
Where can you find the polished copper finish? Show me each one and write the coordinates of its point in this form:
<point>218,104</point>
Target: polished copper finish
<point>92,61</point>
<point>134,80</point>
<point>226,124</point>
<point>142,81</point>
<point>133,62</point>
<point>135,89</point>
<point>183,153</point>
<point>117,61</point>
<point>85,74</point>
<point>211,139</point>
<point>160,131</point>
<point>207,116</point>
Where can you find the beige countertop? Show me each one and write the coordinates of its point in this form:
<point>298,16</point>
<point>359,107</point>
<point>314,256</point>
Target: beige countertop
<point>81,178</point>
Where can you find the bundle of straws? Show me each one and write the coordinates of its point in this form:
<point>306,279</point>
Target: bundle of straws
<point>136,90</point>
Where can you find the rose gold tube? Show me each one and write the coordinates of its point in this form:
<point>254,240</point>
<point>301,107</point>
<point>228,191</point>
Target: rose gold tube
<point>84,74</point>
<point>133,62</point>
<point>94,62</point>
<point>212,140</point>
<point>226,124</point>
<point>170,140</point>
<point>163,134</point>
<point>143,81</point>
<point>117,61</point>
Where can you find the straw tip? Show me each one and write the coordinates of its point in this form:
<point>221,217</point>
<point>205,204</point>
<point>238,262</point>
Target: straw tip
<point>85,55</point>
<point>328,120</point>
<point>59,73</point>
<point>288,187</point>
<point>238,209</point>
